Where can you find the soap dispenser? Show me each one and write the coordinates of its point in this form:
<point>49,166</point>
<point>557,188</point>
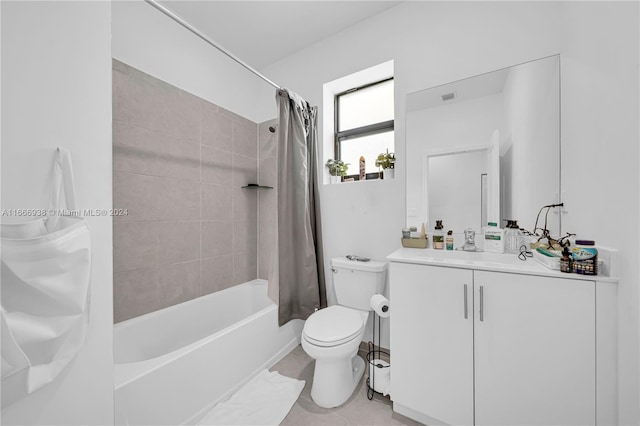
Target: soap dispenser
<point>438,236</point>
<point>513,237</point>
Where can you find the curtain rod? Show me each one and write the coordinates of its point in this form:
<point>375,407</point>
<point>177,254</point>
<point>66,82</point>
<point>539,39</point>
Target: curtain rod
<point>195,31</point>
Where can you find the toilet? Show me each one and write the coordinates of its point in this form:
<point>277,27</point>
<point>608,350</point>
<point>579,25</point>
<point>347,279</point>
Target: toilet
<point>332,335</point>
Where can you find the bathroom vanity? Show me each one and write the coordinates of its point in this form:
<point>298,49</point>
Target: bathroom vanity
<point>488,339</point>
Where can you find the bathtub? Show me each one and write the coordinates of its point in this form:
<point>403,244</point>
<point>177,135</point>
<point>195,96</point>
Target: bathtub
<point>172,366</point>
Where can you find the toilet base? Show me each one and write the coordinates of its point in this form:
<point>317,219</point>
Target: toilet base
<point>334,380</point>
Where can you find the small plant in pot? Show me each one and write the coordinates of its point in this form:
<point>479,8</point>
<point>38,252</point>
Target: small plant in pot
<point>387,161</point>
<point>337,169</point>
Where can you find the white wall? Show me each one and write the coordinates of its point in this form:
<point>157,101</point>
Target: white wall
<point>600,134</point>
<point>56,90</point>
<point>146,39</point>
<point>433,43</point>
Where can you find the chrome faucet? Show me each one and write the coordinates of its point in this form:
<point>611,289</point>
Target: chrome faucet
<point>469,240</point>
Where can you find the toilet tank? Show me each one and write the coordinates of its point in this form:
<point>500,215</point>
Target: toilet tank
<point>355,282</point>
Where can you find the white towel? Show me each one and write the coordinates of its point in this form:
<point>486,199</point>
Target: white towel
<point>265,400</point>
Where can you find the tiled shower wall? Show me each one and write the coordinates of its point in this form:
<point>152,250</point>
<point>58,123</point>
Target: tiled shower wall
<point>267,148</point>
<point>178,166</point>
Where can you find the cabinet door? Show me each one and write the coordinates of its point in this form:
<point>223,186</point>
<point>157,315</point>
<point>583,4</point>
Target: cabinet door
<point>534,350</point>
<point>432,341</point>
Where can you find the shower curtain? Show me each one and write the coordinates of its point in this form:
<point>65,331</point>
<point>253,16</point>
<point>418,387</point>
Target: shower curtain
<point>296,278</point>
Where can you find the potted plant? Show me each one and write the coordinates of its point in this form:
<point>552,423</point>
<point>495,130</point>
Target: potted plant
<point>387,161</point>
<point>337,169</point>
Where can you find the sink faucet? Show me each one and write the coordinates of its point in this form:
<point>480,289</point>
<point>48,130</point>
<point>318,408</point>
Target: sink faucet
<point>469,240</point>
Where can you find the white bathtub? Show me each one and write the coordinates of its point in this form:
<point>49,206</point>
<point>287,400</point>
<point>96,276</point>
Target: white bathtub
<point>172,366</point>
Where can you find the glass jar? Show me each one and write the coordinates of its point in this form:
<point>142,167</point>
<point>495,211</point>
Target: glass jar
<point>584,256</point>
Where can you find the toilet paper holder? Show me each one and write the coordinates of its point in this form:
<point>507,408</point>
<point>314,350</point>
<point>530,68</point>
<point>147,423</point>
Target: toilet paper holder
<point>379,364</point>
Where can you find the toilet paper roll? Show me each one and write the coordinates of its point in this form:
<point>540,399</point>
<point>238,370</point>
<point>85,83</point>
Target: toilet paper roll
<point>380,305</point>
<point>379,375</point>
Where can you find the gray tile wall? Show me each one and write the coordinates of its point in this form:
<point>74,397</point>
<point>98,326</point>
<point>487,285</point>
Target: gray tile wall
<point>178,166</point>
<point>267,198</point>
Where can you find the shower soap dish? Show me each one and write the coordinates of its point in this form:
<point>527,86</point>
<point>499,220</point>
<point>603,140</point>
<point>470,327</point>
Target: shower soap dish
<point>256,186</point>
<point>415,242</point>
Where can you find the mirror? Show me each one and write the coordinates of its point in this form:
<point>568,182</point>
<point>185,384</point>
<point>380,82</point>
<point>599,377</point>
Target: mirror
<point>486,149</point>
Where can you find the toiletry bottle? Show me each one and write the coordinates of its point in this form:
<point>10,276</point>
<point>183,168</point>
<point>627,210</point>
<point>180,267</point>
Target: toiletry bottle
<point>512,237</point>
<point>523,240</point>
<point>566,263</point>
<point>449,240</point>
<point>363,175</point>
<point>438,236</point>
<point>406,233</point>
<point>493,238</point>
<point>423,232</point>
<point>413,232</point>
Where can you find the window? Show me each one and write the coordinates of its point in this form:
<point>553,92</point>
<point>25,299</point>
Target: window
<point>363,126</point>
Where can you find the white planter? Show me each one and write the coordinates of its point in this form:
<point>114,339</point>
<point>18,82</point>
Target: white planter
<point>334,179</point>
<point>389,173</point>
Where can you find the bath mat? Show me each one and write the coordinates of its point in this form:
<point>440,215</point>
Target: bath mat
<point>265,400</point>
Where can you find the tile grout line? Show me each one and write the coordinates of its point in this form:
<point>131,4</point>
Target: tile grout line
<point>233,204</point>
<point>232,151</point>
<point>258,203</point>
<point>201,282</point>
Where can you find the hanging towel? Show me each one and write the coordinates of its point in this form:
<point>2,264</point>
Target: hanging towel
<point>46,267</point>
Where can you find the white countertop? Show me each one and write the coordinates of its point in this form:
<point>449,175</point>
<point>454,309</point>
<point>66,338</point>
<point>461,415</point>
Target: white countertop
<point>483,261</point>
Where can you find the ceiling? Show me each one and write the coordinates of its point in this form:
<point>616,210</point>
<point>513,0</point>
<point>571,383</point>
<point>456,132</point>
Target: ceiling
<point>470,88</point>
<point>263,32</point>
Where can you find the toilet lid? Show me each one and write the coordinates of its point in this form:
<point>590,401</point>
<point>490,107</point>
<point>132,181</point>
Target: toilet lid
<point>332,326</point>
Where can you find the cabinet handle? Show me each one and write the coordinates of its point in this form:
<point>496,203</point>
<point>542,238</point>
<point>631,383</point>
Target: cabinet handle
<point>466,304</point>
<point>481,303</point>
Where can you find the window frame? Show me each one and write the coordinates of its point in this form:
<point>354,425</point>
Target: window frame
<point>369,129</point>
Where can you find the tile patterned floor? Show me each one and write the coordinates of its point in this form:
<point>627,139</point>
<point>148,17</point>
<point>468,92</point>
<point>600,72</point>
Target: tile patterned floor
<point>358,410</point>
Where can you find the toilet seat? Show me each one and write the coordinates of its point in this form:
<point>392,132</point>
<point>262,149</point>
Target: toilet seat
<point>333,326</point>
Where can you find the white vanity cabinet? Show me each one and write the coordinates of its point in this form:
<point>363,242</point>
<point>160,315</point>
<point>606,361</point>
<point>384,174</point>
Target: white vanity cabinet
<point>534,350</point>
<point>492,348</point>
<point>432,341</point>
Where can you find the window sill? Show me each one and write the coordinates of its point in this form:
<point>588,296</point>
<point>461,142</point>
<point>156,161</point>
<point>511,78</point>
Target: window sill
<point>371,177</point>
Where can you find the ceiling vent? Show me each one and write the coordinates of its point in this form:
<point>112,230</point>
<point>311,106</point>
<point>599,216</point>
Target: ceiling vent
<point>448,96</point>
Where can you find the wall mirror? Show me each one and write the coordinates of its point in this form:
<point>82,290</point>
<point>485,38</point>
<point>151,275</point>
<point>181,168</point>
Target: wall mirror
<point>486,148</point>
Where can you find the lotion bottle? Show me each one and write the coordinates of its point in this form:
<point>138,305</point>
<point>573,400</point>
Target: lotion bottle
<point>449,240</point>
<point>493,238</point>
